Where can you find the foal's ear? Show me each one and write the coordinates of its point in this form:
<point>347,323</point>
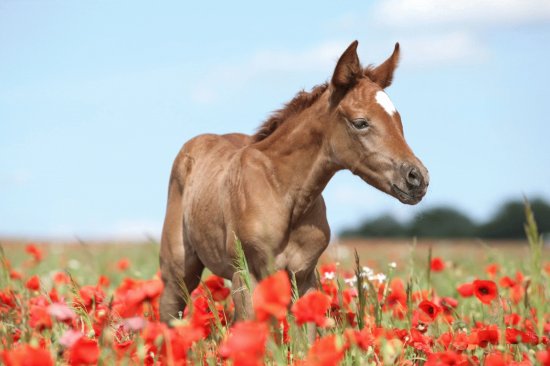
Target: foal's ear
<point>383,74</point>
<point>348,68</point>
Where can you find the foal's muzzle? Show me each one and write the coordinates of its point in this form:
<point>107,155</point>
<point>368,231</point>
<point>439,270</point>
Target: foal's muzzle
<point>413,183</point>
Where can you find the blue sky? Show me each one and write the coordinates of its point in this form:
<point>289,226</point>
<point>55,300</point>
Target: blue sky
<point>97,97</point>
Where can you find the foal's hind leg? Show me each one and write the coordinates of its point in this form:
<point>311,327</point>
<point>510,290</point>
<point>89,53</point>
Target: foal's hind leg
<point>180,269</point>
<point>242,298</point>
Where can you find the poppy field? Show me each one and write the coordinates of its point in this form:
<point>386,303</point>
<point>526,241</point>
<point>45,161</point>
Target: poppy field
<point>98,305</point>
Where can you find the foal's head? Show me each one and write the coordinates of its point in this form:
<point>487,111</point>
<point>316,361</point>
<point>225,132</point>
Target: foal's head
<point>366,131</point>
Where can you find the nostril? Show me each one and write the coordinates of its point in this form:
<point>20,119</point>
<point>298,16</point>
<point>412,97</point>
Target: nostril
<point>414,178</point>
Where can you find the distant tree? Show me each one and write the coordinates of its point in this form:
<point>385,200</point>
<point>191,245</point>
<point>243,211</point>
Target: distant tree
<point>382,226</point>
<point>442,222</point>
<point>447,222</point>
<point>509,219</point>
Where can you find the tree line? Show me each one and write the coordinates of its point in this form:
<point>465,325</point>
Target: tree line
<point>448,222</point>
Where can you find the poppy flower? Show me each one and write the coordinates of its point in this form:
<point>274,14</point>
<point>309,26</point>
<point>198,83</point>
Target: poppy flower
<point>486,335</point>
<point>272,296</point>
<point>515,336</point>
<point>437,264</point>
<point>506,282</point>
<point>485,290</point>
<point>492,270</point>
<point>123,264</point>
<point>33,283</point>
<point>496,359</point>
<point>363,338</point>
<point>312,307</point>
<point>34,251</point>
<point>457,341</point>
<point>430,310</point>
<point>326,352</point>
<point>466,290</point>
<point>544,357</point>
<point>181,340</point>
<point>61,278</point>
<point>15,275</point>
<point>246,343</point>
<point>103,281</point>
<point>447,358</point>
<point>216,286</point>
<point>24,354</point>
<point>84,351</point>
<point>39,318</point>
<point>90,295</point>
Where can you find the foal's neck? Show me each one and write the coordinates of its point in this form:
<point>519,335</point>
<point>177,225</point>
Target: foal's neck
<point>299,152</point>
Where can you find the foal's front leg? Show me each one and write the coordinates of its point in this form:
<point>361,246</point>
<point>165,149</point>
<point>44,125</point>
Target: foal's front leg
<point>307,283</point>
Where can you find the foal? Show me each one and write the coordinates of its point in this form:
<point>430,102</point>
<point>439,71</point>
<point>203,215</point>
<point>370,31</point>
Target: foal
<point>266,189</point>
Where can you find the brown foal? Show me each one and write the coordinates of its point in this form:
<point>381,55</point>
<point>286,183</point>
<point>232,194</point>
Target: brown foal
<point>266,189</point>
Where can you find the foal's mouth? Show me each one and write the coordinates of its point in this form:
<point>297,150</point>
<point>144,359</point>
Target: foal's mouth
<point>406,197</point>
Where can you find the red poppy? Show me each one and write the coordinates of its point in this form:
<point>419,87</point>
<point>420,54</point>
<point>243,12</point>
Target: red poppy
<point>84,351</point>
<point>326,352</point>
<point>15,275</point>
<point>123,264</point>
<point>496,359</point>
<point>33,283</point>
<point>61,278</point>
<point>515,336</point>
<point>516,293</point>
<point>466,290</point>
<point>24,354</point>
<point>272,296</point>
<point>39,318</point>
<point>182,339</point>
<point>486,335</point>
<point>506,282</point>
<point>103,281</point>
<point>430,310</point>
<point>90,295</point>
<point>246,343</point>
<point>397,294</point>
<point>486,291</point>
<point>202,316</point>
<point>544,357</point>
<point>312,307</point>
<point>455,341</point>
<point>216,286</point>
<point>492,270</point>
<point>364,338</point>
<point>35,252</point>
<point>437,264</point>
<point>447,358</point>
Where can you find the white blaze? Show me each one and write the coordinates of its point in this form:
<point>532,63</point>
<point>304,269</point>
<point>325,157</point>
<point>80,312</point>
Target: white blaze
<point>383,99</point>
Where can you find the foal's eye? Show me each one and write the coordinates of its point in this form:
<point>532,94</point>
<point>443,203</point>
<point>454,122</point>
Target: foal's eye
<point>360,123</point>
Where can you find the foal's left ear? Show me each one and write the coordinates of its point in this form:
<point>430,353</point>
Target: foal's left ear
<point>348,68</point>
<point>383,74</point>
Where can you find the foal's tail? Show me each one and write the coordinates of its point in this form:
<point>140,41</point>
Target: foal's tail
<point>172,231</point>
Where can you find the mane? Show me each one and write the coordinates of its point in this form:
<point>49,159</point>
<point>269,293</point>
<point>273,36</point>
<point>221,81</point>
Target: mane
<point>301,101</point>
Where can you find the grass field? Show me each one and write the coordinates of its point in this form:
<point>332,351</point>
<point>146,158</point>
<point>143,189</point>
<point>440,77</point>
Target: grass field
<point>426,302</point>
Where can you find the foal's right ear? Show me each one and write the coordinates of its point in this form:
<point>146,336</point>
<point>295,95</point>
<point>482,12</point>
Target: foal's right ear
<point>348,68</point>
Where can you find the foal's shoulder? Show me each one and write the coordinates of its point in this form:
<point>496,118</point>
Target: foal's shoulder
<point>237,139</point>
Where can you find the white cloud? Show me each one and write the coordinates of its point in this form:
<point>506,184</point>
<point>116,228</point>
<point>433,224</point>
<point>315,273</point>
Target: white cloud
<point>406,13</point>
<point>442,49</point>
